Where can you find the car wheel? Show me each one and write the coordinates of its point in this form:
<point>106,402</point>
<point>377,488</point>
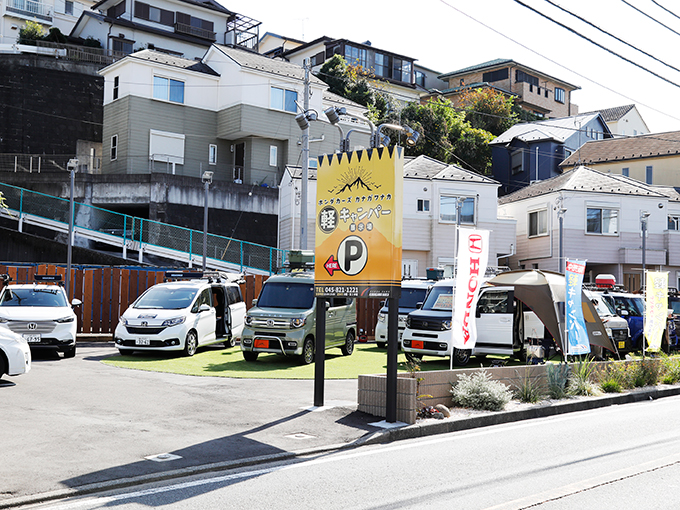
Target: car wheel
<point>125,352</point>
<point>348,348</point>
<point>250,355</point>
<point>70,353</point>
<point>230,343</point>
<point>191,343</point>
<point>308,351</point>
<point>381,345</point>
<point>461,357</point>
<point>414,358</point>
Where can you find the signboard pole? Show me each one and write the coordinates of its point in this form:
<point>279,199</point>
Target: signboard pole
<point>392,348</point>
<point>319,352</point>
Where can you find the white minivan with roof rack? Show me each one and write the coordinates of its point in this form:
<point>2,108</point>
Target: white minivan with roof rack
<point>188,310</point>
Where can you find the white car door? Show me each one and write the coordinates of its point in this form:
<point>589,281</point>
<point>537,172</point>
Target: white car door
<point>494,321</point>
<point>206,319</point>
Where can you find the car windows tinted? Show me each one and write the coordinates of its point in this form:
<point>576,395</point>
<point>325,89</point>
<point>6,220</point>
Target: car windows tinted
<point>286,295</point>
<point>33,297</point>
<point>234,295</point>
<point>411,297</point>
<point>166,298</point>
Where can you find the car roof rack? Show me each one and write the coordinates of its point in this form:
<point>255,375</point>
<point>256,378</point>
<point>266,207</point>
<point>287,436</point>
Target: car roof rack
<point>216,276</point>
<point>38,278</point>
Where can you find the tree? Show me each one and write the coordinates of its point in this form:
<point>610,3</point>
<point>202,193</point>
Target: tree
<point>488,109</point>
<point>31,32</point>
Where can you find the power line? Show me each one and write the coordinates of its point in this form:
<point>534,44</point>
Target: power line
<point>612,35</point>
<point>650,17</point>
<point>666,9</point>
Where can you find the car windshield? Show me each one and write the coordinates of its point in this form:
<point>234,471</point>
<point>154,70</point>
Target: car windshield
<point>633,305</point>
<point>287,295</point>
<point>33,297</point>
<point>410,298</point>
<point>439,298</point>
<point>674,303</point>
<point>602,306</point>
<point>166,298</point>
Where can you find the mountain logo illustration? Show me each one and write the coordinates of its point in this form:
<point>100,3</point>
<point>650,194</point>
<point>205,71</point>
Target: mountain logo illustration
<point>355,180</point>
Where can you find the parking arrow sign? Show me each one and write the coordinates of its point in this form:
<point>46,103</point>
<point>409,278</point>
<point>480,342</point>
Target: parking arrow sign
<point>332,265</point>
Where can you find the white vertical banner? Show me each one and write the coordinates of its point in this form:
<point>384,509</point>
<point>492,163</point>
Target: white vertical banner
<point>656,308</point>
<point>473,256</point>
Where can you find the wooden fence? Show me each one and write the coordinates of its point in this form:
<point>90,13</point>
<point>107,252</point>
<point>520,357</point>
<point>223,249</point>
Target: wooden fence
<point>106,292</point>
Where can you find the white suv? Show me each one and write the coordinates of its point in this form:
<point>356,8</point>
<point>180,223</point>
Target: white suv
<point>15,355</point>
<point>40,313</point>
<point>192,310</point>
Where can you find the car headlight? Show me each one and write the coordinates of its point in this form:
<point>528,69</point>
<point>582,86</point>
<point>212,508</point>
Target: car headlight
<point>122,320</point>
<point>297,322</point>
<point>446,324</point>
<point>248,320</point>
<point>609,332</point>
<point>65,319</point>
<point>174,321</point>
<point>3,320</point>
<point>382,317</point>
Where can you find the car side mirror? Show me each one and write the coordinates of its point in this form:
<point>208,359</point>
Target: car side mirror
<point>203,308</point>
<point>328,304</point>
<point>419,305</point>
<point>623,313</point>
<point>76,302</point>
<point>382,303</point>
<point>254,302</point>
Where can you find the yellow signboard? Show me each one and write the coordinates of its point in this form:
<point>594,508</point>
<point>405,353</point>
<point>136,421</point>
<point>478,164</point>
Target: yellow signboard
<point>359,202</point>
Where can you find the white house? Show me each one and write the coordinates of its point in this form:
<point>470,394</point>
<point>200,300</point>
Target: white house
<point>61,14</point>
<point>431,192</point>
<point>624,120</point>
<point>601,223</point>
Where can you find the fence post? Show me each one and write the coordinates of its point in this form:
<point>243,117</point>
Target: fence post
<point>191,253</point>
<point>21,210</point>
<point>141,251</point>
<point>125,236</point>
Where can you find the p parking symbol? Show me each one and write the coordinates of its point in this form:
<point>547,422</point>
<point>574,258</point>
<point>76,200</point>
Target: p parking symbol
<point>352,255</point>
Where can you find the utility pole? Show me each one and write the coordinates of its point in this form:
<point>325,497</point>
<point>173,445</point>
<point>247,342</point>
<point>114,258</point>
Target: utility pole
<point>305,163</point>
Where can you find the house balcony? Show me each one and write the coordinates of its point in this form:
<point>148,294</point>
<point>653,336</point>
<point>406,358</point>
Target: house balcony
<point>181,28</point>
<point>30,9</point>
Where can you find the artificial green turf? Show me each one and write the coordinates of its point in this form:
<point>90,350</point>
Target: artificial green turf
<point>217,362</point>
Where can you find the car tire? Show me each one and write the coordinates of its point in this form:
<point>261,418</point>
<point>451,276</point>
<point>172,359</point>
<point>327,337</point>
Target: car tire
<point>4,368</point>
<point>190,343</point>
<point>250,355</point>
<point>461,357</point>
<point>381,345</point>
<point>348,348</point>
<point>308,351</point>
<point>230,343</point>
<point>125,352</point>
<point>70,353</point>
<point>414,358</point>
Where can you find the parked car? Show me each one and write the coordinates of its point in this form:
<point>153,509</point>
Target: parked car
<point>616,327</point>
<point>283,319</point>
<point>630,307</point>
<point>191,310</point>
<point>15,354</point>
<point>40,313</point>
<point>412,295</point>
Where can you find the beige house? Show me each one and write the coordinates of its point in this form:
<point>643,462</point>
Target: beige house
<point>624,120</point>
<point>652,158</point>
<point>536,92</point>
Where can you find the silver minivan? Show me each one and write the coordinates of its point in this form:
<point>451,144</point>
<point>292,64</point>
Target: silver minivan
<point>283,319</point>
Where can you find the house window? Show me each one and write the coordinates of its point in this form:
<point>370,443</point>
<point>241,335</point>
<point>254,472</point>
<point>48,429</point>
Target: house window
<point>168,89</point>
<point>122,46</point>
<point>212,154</point>
<point>151,13</point>
<point>68,7</point>
<point>517,161</point>
<point>313,163</point>
<point>116,82</point>
<point>492,76</point>
<point>273,155</point>
<point>625,172</point>
<point>602,221</point>
<point>423,205</point>
<point>673,222</point>
<point>538,223</point>
<point>447,210</point>
<point>114,147</point>
<point>382,65</point>
<point>559,95</point>
<point>283,99</point>
<point>648,174</point>
<point>521,76</point>
<point>401,70</point>
<point>355,56</point>
<point>420,78</point>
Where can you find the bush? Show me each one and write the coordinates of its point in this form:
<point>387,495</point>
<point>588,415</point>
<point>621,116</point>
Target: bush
<point>527,389</point>
<point>645,373</point>
<point>581,378</point>
<point>30,33</point>
<point>479,391</point>
<point>558,379</point>
<point>613,378</point>
<point>670,370</point>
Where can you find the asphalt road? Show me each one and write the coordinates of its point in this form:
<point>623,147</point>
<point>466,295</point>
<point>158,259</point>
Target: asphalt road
<point>70,423</point>
<point>614,457</point>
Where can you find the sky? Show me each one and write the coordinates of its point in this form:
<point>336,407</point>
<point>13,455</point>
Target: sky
<point>449,35</point>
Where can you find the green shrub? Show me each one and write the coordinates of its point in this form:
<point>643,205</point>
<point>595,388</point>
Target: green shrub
<point>31,32</point>
<point>558,379</point>
<point>612,378</point>
<point>527,389</point>
<point>645,372</point>
<point>670,370</point>
<point>581,378</point>
<point>479,391</point>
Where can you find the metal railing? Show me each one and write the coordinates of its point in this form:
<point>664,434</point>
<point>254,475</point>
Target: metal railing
<point>30,8</point>
<point>138,234</point>
<point>84,53</point>
<point>181,28</point>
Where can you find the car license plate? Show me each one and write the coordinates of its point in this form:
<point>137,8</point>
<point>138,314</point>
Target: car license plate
<point>417,344</point>
<point>622,344</point>
<point>32,339</point>
<point>142,341</point>
<point>262,344</point>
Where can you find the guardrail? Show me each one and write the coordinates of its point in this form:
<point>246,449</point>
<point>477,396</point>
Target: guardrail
<point>132,234</point>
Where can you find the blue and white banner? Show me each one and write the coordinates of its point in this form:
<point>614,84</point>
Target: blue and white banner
<point>577,334</point>
<point>473,255</point>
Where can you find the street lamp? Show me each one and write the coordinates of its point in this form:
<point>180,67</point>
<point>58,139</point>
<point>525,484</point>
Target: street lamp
<point>560,217</point>
<point>207,180</point>
<point>643,221</point>
<point>72,166</point>
<point>379,139</point>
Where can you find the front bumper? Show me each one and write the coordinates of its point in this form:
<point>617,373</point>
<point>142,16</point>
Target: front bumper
<point>45,334</point>
<point>278,341</point>
<point>156,339</point>
<point>430,343</point>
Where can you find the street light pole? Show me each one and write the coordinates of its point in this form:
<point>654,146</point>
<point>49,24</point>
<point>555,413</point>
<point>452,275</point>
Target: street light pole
<point>207,179</point>
<point>305,163</point>
<point>72,165</point>
<point>643,220</point>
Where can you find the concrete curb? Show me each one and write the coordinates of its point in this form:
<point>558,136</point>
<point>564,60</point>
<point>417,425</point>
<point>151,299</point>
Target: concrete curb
<point>423,429</point>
